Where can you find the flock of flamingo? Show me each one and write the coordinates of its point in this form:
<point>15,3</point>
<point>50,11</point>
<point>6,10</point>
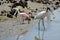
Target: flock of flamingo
<point>40,16</point>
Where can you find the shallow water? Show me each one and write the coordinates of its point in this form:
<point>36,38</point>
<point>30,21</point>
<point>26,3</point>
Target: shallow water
<point>52,31</point>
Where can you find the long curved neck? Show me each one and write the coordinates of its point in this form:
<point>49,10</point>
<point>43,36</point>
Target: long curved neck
<point>49,9</point>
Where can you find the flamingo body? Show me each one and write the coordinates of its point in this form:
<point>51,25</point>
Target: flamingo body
<point>39,15</point>
<point>24,15</point>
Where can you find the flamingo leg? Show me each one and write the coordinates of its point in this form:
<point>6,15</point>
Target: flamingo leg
<point>43,24</point>
<point>43,30</point>
<point>39,28</point>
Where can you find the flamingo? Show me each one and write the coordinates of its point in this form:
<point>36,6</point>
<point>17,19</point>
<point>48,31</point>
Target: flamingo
<point>41,16</point>
<point>23,16</point>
